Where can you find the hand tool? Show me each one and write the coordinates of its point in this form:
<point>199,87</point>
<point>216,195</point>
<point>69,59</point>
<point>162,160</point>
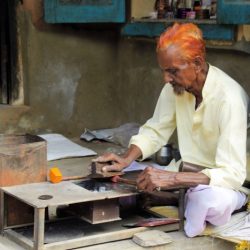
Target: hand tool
<point>96,171</point>
<point>152,222</point>
<point>55,176</point>
<point>127,181</point>
<point>123,180</point>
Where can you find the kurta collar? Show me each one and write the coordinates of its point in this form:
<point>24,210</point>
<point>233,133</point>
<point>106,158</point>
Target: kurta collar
<point>209,83</point>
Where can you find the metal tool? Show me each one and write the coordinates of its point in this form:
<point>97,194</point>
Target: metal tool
<point>123,180</point>
<point>166,154</point>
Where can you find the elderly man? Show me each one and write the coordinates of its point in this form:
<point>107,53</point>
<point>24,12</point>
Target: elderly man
<point>209,110</point>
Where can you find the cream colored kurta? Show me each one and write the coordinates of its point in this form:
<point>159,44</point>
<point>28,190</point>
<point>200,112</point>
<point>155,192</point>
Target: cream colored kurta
<point>213,135</point>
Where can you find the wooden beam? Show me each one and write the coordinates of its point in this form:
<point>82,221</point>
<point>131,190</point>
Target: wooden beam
<point>19,239</point>
<point>39,228</point>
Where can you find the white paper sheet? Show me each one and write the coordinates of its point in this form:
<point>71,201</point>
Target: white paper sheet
<point>59,147</point>
<point>142,165</point>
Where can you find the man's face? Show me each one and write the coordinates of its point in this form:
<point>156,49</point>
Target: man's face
<point>176,71</point>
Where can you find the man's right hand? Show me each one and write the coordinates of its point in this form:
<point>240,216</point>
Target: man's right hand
<point>118,163</point>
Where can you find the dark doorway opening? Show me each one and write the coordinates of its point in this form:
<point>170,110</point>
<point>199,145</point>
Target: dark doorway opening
<point>8,51</point>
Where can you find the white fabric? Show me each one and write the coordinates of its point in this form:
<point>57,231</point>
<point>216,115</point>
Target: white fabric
<point>237,228</point>
<point>210,204</point>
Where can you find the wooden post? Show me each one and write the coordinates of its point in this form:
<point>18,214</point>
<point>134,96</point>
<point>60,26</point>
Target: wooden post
<point>2,212</point>
<point>39,221</point>
<point>182,192</point>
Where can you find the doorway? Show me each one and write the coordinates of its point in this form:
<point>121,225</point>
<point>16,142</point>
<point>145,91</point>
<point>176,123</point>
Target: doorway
<point>8,51</point>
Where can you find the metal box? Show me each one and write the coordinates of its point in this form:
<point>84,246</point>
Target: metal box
<point>23,159</point>
<point>99,211</point>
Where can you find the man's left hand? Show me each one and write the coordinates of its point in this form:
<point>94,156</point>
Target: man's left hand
<point>152,179</point>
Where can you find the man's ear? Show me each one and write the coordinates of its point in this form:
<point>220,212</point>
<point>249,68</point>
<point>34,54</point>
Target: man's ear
<point>198,62</point>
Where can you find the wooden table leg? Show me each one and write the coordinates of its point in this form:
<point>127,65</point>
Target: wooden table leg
<point>2,212</point>
<point>182,192</point>
<point>39,221</point>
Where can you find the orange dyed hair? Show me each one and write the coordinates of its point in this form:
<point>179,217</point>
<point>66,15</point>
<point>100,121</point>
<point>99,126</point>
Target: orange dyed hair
<point>187,37</point>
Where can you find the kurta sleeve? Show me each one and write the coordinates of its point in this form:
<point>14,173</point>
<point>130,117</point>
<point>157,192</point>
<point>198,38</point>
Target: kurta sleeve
<point>230,169</point>
<point>156,131</point>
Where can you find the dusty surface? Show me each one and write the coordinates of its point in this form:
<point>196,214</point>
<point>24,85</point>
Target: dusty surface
<point>180,242</point>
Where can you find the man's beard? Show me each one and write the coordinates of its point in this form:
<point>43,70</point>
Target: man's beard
<point>178,90</point>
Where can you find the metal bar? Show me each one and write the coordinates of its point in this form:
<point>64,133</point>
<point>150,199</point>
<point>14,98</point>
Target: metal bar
<point>39,220</point>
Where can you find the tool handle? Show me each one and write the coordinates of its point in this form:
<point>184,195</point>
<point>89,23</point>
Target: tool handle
<point>71,178</point>
<point>123,180</point>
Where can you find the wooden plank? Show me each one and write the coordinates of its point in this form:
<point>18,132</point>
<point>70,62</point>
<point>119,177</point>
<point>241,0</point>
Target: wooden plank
<point>82,12</point>
<point>19,239</point>
<point>2,212</point>
<point>154,29</point>
<point>233,12</point>
<point>149,29</point>
<point>92,234</point>
<point>95,239</point>
<point>50,11</point>
<point>17,212</point>
<point>122,244</point>
<point>181,207</point>
<point>62,193</point>
<point>178,20</point>
<point>39,228</point>
<point>111,234</point>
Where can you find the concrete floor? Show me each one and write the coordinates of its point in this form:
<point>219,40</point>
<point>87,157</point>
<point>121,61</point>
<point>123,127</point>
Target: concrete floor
<point>180,242</point>
<point>79,166</point>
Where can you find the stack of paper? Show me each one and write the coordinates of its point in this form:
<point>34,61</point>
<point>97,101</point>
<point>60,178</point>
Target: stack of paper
<point>59,147</point>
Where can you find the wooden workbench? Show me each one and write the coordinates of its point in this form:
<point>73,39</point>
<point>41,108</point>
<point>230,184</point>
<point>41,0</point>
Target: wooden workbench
<point>61,194</point>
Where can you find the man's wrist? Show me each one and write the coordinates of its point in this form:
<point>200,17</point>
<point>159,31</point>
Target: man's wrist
<point>175,179</point>
<point>189,179</point>
<point>132,154</point>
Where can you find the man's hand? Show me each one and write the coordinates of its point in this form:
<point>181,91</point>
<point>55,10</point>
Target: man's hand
<point>151,179</point>
<point>118,163</point>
